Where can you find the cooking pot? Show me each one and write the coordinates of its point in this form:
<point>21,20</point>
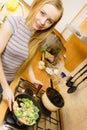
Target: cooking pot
<point>34,102</point>
<point>52,99</point>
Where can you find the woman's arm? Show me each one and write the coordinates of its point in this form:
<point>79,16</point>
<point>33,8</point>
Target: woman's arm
<point>32,76</point>
<point>5,34</point>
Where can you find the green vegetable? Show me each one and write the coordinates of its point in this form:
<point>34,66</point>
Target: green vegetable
<point>28,112</point>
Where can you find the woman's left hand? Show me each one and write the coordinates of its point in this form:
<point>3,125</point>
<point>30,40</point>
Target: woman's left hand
<point>37,83</point>
<point>8,96</point>
<point>33,78</point>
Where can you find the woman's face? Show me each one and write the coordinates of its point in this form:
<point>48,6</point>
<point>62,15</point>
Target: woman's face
<point>46,17</point>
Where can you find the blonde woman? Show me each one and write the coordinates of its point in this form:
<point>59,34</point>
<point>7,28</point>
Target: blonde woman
<point>20,39</point>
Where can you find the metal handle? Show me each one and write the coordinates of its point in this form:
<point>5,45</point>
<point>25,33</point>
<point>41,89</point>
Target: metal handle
<point>80,70</point>
<point>51,83</point>
<point>82,81</point>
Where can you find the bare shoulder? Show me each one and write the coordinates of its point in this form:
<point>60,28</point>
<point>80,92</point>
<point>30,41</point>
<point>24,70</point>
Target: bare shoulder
<point>5,34</point>
<point>5,27</point>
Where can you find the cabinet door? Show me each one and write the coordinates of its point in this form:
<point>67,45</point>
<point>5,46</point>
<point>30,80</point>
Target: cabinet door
<point>76,49</point>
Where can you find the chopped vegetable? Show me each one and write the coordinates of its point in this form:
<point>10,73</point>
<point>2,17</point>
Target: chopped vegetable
<point>27,112</point>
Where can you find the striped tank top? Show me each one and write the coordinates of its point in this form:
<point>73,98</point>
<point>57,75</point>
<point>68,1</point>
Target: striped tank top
<point>16,50</point>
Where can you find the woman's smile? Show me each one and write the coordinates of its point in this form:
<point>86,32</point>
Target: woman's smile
<point>38,26</point>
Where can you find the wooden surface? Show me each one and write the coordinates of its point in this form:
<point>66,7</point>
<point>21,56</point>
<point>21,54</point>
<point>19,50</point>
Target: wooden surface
<point>39,74</point>
<point>76,50</point>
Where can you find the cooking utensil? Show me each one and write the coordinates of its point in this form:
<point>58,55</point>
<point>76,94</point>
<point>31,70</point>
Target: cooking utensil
<point>72,82</point>
<point>52,99</point>
<point>34,102</point>
<point>51,83</point>
<point>68,83</point>
<point>73,88</point>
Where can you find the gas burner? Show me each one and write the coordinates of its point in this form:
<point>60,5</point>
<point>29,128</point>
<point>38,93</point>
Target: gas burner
<point>10,122</point>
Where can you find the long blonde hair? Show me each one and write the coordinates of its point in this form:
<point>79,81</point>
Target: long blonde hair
<point>38,36</point>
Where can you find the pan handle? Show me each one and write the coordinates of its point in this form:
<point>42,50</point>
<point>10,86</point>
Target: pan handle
<point>51,83</point>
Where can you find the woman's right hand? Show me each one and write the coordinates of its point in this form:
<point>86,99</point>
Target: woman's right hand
<point>8,96</point>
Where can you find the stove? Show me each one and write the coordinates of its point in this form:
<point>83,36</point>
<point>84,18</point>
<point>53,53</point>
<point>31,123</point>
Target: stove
<point>48,120</point>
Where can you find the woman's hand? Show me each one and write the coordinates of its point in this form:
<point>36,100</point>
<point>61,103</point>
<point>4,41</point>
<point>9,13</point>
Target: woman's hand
<point>8,96</point>
<point>37,83</point>
<point>31,73</point>
<point>33,78</point>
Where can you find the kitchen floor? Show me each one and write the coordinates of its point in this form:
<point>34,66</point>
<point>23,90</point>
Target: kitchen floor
<point>74,112</point>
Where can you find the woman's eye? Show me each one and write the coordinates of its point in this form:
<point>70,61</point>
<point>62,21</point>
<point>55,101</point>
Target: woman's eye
<point>50,21</point>
<point>42,13</point>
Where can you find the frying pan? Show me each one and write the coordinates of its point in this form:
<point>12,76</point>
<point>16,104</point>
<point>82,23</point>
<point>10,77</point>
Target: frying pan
<point>20,123</point>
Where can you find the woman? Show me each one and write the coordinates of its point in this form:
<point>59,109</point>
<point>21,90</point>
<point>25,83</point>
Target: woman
<point>16,33</point>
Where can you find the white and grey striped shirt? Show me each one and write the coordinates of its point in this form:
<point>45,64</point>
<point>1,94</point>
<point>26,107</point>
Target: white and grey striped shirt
<point>16,50</point>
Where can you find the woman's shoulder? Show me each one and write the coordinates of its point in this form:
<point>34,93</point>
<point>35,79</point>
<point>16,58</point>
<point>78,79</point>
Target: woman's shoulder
<point>15,22</point>
<point>16,18</point>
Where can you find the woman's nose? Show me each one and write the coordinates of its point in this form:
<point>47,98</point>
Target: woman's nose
<point>43,21</point>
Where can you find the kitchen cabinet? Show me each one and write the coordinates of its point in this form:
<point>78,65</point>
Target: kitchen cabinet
<point>76,48</point>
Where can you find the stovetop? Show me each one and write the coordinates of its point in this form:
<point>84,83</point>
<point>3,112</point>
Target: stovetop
<point>48,120</point>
